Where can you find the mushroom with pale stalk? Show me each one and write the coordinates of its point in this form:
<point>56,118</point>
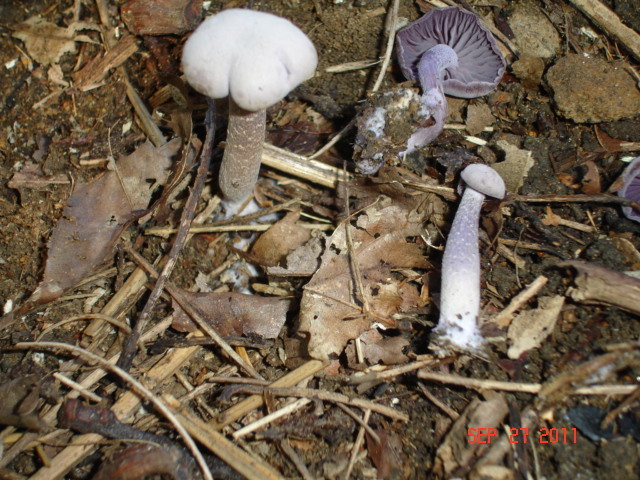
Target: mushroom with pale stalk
<point>450,52</point>
<point>460,291</point>
<point>255,59</point>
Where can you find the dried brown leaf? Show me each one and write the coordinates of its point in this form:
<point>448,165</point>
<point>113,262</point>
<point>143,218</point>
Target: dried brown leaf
<point>275,244</point>
<point>303,261</point>
<point>387,455</point>
<point>377,348</point>
<point>161,17</point>
<point>95,216</point>
<point>46,42</point>
<point>329,311</point>
<point>530,328</point>
<point>457,452</point>
<point>234,314</point>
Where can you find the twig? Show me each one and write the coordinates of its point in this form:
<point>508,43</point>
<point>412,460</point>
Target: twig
<point>392,22</point>
<point>351,66</point>
<point>479,384</point>
<point>267,419</point>
<point>135,386</point>
<point>77,387</point>
<point>441,405</point>
<point>196,317</point>
<point>87,316</point>
<point>356,446</point>
<point>359,421</point>
<point>330,397</point>
<point>578,198</point>
<point>599,14</point>
<point>252,468</point>
<point>625,405</point>
<point>295,458</point>
<point>166,231</point>
<point>130,345</point>
<point>239,410</point>
<point>503,318</point>
<point>335,139</point>
<point>301,166</point>
<point>390,373</point>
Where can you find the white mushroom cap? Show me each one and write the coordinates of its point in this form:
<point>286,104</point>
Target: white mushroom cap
<point>484,179</point>
<point>255,57</point>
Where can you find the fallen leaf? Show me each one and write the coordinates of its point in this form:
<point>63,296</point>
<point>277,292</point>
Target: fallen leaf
<point>46,42</point>
<point>515,167</point>
<point>161,17</point>
<point>284,236</point>
<point>457,451</point>
<point>530,328</point>
<point>95,216</point>
<point>387,455</point>
<point>303,261</point>
<point>234,314</point>
<point>329,311</point>
<point>144,170</point>
<point>377,348</point>
<point>612,145</point>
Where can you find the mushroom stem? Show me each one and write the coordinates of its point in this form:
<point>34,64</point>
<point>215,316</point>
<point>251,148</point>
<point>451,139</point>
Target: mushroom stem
<point>242,155</point>
<point>434,108</point>
<point>460,294</point>
<point>431,68</point>
<point>432,65</point>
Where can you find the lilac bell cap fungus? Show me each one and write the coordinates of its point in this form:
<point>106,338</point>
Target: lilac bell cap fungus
<point>460,291</point>
<point>631,188</point>
<point>450,52</point>
<point>256,59</point>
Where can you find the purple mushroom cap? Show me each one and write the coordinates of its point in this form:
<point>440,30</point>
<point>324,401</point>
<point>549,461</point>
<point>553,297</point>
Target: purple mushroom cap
<point>631,188</point>
<point>480,62</point>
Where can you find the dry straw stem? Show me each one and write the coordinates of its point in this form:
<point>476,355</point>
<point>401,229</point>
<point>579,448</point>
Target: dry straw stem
<point>534,388</point>
<point>239,410</point>
<point>252,468</point>
<point>136,386</point>
<point>332,397</point>
<point>392,23</point>
<point>602,16</point>
<point>303,167</point>
<point>357,444</point>
<point>267,419</point>
<point>166,231</point>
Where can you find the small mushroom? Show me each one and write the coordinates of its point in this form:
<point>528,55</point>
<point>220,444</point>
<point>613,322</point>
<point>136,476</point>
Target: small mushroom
<point>450,52</point>
<point>631,188</point>
<point>460,292</point>
<point>256,59</point>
